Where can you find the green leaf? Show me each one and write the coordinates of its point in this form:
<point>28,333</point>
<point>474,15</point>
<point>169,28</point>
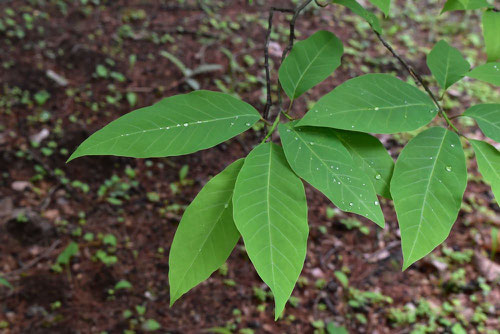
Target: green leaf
<point>331,328</point>
<point>6,283</point>
<point>177,125</point>
<point>376,103</point>
<point>489,73</point>
<point>491,33</point>
<point>487,117</point>
<point>123,284</point>
<point>270,211</point>
<point>66,255</point>
<point>359,10</point>
<point>151,325</point>
<point>310,62</point>
<point>369,153</point>
<point>427,186</point>
<point>206,234</point>
<point>447,64</point>
<point>488,162</point>
<point>318,156</point>
<point>451,5</point>
<point>383,5</point>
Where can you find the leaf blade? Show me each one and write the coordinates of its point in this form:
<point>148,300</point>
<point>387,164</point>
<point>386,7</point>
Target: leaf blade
<point>177,125</point>
<point>367,151</point>
<point>206,234</point>
<point>428,184</point>
<point>270,211</point>
<point>383,5</point>
<point>491,33</point>
<point>447,64</point>
<point>318,156</point>
<point>451,5</point>
<point>487,117</point>
<point>310,62</point>
<point>489,72</point>
<point>368,104</point>
<point>488,162</point>
<point>355,7</point>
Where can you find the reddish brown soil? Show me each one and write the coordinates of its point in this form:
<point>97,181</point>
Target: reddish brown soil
<point>141,227</point>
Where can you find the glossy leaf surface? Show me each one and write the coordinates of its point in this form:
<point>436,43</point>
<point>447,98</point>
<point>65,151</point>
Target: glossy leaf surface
<point>428,184</point>
<point>206,234</point>
<point>270,211</point>
<point>487,117</point>
<point>489,73</point>
<point>310,62</point>
<point>354,6</point>
<point>318,156</point>
<point>447,64</point>
<point>451,5</point>
<point>369,153</point>
<point>491,33</point>
<point>488,162</point>
<point>177,125</point>
<point>383,5</point>
<point>376,103</point>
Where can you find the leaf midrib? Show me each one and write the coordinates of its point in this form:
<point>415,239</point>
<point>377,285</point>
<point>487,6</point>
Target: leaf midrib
<point>162,129</point>
<point>203,244</point>
<point>306,69</point>
<point>425,195</point>
<point>328,169</point>
<point>268,196</point>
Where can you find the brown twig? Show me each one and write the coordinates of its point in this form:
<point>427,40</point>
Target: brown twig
<point>296,12</point>
<point>269,101</point>
<point>34,261</point>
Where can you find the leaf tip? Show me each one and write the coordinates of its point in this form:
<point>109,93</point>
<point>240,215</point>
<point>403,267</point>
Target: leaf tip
<point>406,264</point>
<point>72,157</point>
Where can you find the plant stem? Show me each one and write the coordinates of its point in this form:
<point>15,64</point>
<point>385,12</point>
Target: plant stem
<point>269,101</point>
<point>275,124</point>
<point>265,121</point>
<point>289,107</point>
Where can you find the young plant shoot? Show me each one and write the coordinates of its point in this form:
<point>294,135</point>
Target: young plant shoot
<point>260,198</point>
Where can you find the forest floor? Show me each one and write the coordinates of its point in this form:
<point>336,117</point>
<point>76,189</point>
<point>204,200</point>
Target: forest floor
<point>69,67</point>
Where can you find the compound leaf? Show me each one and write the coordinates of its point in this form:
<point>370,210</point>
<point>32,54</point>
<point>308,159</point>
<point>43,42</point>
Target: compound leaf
<point>488,162</point>
<point>310,62</point>
<point>206,234</point>
<point>447,64</point>
<point>451,5</point>
<point>359,10</point>
<point>369,153</point>
<point>177,125</point>
<point>489,72</point>
<point>487,117</point>
<point>376,103</point>
<point>491,33</point>
<point>318,156</point>
<point>270,211</point>
<point>428,184</point>
<point>383,5</point>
